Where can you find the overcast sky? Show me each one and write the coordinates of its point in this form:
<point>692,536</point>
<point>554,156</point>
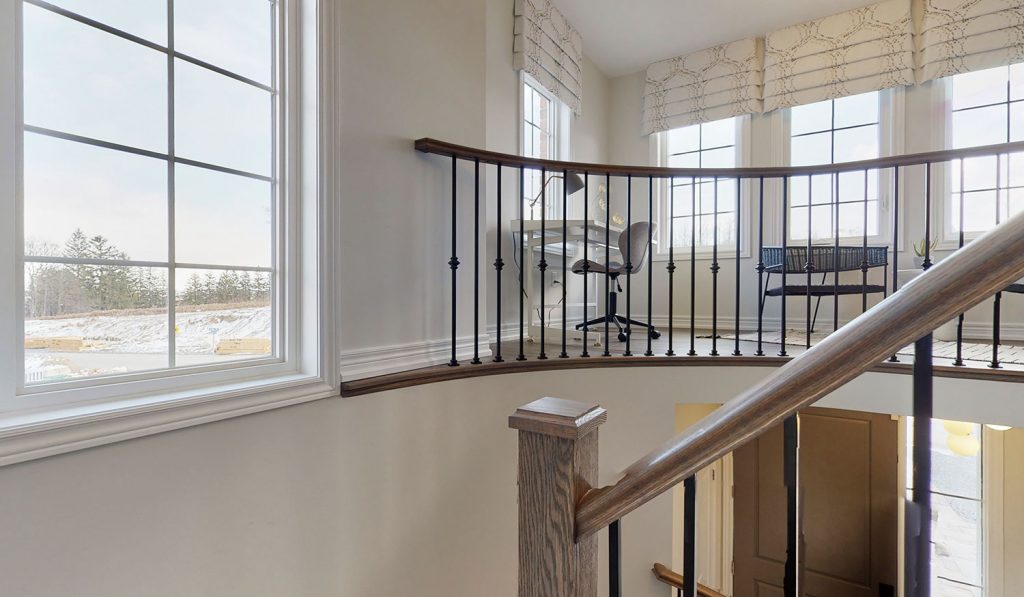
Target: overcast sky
<point>81,80</point>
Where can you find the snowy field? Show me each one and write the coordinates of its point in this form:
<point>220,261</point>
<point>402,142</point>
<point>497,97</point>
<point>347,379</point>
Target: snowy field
<point>121,343</point>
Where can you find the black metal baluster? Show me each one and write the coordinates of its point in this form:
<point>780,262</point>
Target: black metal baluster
<point>690,536</point>
<point>959,362</point>
<point>835,260</point>
<point>607,256</point>
<point>671,267</point>
<point>736,348</point>
<point>614,560</point>
<point>760,266</point>
<point>791,458</point>
<point>565,268</point>
<point>693,267</point>
<point>586,257</point>
<point>629,262</point>
<point>543,265</point>
<point>453,263</point>
<point>809,264</point>
<point>522,262</point>
<point>785,259</point>
<point>498,266</point>
<point>714,270</point>
<point>864,252</point>
<point>895,238</point>
<point>994,364</point>
<point>927,262</point>
<point>650,263</point>
<point>918,529</point>
<point>476,262</point>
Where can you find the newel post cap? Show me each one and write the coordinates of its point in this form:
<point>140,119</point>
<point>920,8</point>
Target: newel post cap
<point>560,418</point>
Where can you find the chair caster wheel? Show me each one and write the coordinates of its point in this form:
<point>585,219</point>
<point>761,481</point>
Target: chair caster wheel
<point>623,336</point>
<point>655,334</point>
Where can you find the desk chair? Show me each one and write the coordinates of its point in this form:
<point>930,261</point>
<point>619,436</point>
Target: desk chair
<point>633,247</point>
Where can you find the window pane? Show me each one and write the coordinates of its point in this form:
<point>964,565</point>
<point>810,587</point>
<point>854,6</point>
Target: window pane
<point>727,229</point>
<point>811,118</point>
<point>980,88</point>
<point>855,144</point>
<point>93,83</point>
<point>851,186</point>
<point>956,533</point>
<point>684,139</point>
<point>682,205</point>
<point>144,18</point>
<point>1017,121</point>
<point>76,194</point>
<point>221,121</point>
<point>686,160</point>
<point>979,173</point>
<point>857,109</point>
<point>222,315</point>
<point>232,34</point>
<point>979,211</point>
<point>851,218</point>
<point>1017,81</point>
<point>979,126</point>
<point>719,133</point>
<point>221,219</point>
<point>718,158</point>
<point>811,149</point>
<point>821,186</point>
<point>85,321</point>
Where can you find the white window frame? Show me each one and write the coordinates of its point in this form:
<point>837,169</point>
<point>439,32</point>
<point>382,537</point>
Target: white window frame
<point>946,238</point>
<point>52,418</point>
<point>560,133</point>
<point>891,120</point>
<point>659,155</point>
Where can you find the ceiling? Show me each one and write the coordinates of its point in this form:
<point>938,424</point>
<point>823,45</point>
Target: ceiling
<point>622,37</point>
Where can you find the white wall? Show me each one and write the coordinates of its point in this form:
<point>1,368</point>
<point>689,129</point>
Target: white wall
<point>403,491</point>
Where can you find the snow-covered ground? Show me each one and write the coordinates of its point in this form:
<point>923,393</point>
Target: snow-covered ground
<point>118,343</point>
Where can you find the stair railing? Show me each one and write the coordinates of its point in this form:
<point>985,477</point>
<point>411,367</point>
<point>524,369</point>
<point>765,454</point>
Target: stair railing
<point>560,509</point>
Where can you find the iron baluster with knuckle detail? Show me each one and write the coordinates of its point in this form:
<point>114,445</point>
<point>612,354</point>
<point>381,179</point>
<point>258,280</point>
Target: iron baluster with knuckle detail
<point>895,238</point>
<point>690,536</point>
<point>760,266</point>
<point>607,260</point>
<point>586,255</point>
<point>785,253</point>
<point>671,267</point>
<point>693,267</point>
<point>498,266</point>
<point>476,262</point>
<point>543,264</point>
<point>714,270</point>
<point>523,246</point>
<point>736,348</point>
<point>629,263</point>
<point>565,270</point>
<point>809,265</point>
<point>959,361</point>
<point>453,262</point>
<point>650,266</point>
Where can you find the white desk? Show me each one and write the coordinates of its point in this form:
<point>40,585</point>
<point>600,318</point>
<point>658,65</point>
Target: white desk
<point>578,231</point>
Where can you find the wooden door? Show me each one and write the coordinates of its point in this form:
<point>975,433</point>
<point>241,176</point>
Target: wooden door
<point>849,503</point>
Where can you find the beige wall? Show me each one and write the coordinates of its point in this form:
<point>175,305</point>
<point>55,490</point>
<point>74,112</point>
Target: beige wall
<point>410,490</point>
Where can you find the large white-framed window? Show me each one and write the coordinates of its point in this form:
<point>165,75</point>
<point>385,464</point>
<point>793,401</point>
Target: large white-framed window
<point>847,129</point>
<point>160,185</point>
<point>695,213</point>
<point>543,134</point>
<point>983,108</point>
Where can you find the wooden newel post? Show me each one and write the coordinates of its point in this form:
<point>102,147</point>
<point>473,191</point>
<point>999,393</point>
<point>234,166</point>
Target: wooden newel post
<point>557,466</point>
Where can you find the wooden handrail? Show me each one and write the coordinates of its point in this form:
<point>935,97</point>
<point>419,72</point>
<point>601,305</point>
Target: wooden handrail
<point>954,285</point>
<point>506,159</point>
<point>673,579</point>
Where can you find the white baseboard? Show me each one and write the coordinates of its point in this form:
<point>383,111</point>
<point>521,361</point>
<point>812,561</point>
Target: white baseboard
<point>382,360</point>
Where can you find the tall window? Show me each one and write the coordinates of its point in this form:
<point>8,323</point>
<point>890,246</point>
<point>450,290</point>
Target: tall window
<point>693,205</point>
<point>841,130</point>
<point>544,136</point>
<point>151,210</point>
<point>987,107</point>
<point>958,565</point>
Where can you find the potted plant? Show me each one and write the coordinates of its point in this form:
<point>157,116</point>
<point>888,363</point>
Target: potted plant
<point>920,248</point>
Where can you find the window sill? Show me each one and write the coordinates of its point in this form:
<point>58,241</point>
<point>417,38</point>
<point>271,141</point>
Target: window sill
<point>47,432</point>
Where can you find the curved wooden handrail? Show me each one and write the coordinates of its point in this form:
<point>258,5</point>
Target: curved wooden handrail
<point>953,286</point>
<point>673,579</point>
<point>506,159</point>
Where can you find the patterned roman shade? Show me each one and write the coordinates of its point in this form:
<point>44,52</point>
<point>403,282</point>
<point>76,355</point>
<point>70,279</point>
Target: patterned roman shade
<point>956,36</point>
<point>853,52</point>
<point>715,83</point>
<point>548,47</point>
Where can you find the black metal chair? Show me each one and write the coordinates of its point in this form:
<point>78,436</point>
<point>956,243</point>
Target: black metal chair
<point>825,260</point>
<point>633,248</point>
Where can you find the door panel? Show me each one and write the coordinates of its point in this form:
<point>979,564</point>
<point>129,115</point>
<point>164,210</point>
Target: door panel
<point>849,504</point>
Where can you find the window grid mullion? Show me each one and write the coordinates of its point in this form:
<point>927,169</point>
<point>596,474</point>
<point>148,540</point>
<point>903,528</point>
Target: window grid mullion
<point>171,282</point>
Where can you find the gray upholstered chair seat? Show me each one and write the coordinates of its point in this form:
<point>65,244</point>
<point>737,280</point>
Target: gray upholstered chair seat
<point>598,268</point>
